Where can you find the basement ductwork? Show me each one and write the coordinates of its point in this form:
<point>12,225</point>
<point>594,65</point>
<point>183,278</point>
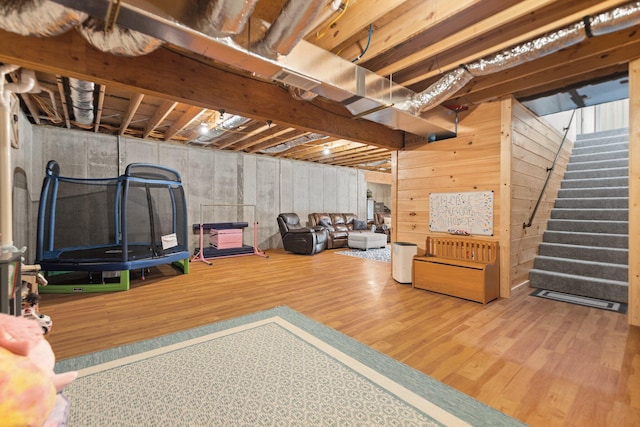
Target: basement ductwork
<point>617,19</point>
<point>281,148</point>
<point>289,27</point>
<point>40,18</point>
<point>118,41</point>
<point>283,57</point>
<point>82,98</point>
<point>233,122</point>
<point>221,18</point>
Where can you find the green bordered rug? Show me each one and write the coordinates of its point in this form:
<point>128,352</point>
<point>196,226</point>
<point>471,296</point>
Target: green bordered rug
<point>272,368</point>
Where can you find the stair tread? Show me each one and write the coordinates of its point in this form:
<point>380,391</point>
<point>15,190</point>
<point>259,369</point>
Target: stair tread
<point>622,187</point>
<point>586,233</point>
<point>577,276</point>
<point>598,178</point>
<point>591,209</point>
<point>580,261</point>
<point>570,246</point>
<point>589,220</point>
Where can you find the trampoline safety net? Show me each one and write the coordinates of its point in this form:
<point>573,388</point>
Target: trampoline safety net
<point>139,215</point>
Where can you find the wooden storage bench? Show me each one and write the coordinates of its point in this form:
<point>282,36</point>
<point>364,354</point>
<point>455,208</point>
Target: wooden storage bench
<point>459,266</point>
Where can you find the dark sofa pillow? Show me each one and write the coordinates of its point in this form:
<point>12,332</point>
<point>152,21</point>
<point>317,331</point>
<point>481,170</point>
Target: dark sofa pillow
<point>359,225</point>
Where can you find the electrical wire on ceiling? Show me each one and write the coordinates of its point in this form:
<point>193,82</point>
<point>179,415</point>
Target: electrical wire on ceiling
<point>366,48</point>
<point>52,114</point>
<point>344,7</point>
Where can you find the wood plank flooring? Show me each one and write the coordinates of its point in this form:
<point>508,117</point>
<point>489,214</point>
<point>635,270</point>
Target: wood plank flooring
<point>546,363</point>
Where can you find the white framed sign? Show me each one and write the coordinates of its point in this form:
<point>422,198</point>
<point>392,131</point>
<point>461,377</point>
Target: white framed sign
<point>465,212</point>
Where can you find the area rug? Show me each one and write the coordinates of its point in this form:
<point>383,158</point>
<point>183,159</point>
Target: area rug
<point>275,367</point>
<point>377,254</point>
<point>580,300</point>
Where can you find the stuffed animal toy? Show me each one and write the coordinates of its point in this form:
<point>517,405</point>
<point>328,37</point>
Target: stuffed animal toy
<point>29,388</point>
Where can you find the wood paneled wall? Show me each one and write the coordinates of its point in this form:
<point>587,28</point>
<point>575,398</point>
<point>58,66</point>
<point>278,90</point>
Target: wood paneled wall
<point>500,147</point>
<point>469,162</point>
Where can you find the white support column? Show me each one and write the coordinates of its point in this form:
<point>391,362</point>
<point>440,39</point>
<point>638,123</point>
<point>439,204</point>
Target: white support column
<point>27,82</point>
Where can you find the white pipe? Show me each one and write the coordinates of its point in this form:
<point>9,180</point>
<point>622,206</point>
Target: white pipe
<point>27,81</point>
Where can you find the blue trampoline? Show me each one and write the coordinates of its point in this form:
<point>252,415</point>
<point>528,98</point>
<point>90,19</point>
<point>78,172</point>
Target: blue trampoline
<point>135,221</point>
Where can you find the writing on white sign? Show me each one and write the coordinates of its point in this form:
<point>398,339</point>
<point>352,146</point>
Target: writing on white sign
<point>470,212</point>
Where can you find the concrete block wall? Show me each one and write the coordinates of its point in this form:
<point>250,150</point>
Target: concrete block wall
<point>210,177</point>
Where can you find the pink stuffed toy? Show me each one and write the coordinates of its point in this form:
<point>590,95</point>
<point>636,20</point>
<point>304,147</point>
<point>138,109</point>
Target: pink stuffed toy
<point>29,388</point>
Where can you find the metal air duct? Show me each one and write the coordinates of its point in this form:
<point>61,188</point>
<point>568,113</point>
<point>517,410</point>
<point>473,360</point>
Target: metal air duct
<point>221,18</point>
<point>40,18</point>
<point>82,100</point>
<point>289,27</point>
<point>281,56</point>
<point>118,41</point>
<point>614,20</point>
<point>233,122</point>
<point>306,67</point>
<point>281,148</point>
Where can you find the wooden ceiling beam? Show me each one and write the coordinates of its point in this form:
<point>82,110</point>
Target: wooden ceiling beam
<point>309,146</point>
<point>63,100</point>
<point>365,158</point>
<point>450,19</point>
<point>35,111</point>
<point>101,93</point>
<point>336,156</point>
<point>361,163</point>
<point>359,15</point>
<point>185,120</point>
<point>172,76</point>
<point>161,113</point>
<point>416,19</point>
<point>565,68</point>
<point>134,103</point>
<point>420,75</point>
<point>268,140</point>
<point>253,129</point>
<point>475,31</point>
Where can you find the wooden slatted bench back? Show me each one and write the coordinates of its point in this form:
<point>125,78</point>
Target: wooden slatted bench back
<point>463,249</point>
<point>459,266</point>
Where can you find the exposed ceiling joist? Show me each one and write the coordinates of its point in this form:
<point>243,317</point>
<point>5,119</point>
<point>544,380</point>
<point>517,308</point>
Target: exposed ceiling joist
<point>404,50</point>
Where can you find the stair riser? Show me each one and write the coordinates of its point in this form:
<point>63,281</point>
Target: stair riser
<point>587,203</point>
<point>597,173</point>
<point>592,157</point>
<point>567,266</point>
<point>601,148</point>
<point>591,214</point>
<point>607,164</point>
<point>576,286</point>
<point>595,182</point>
<point>613,256</point>
<point>574,193</point>
<point>602,240</point>
<point>588,227</point>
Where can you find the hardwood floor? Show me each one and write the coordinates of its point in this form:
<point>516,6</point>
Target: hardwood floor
<point>545,363</point>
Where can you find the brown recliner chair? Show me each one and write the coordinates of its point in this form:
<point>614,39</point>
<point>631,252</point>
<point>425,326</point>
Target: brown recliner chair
<point>299,239</point>
<point>380,226</point>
